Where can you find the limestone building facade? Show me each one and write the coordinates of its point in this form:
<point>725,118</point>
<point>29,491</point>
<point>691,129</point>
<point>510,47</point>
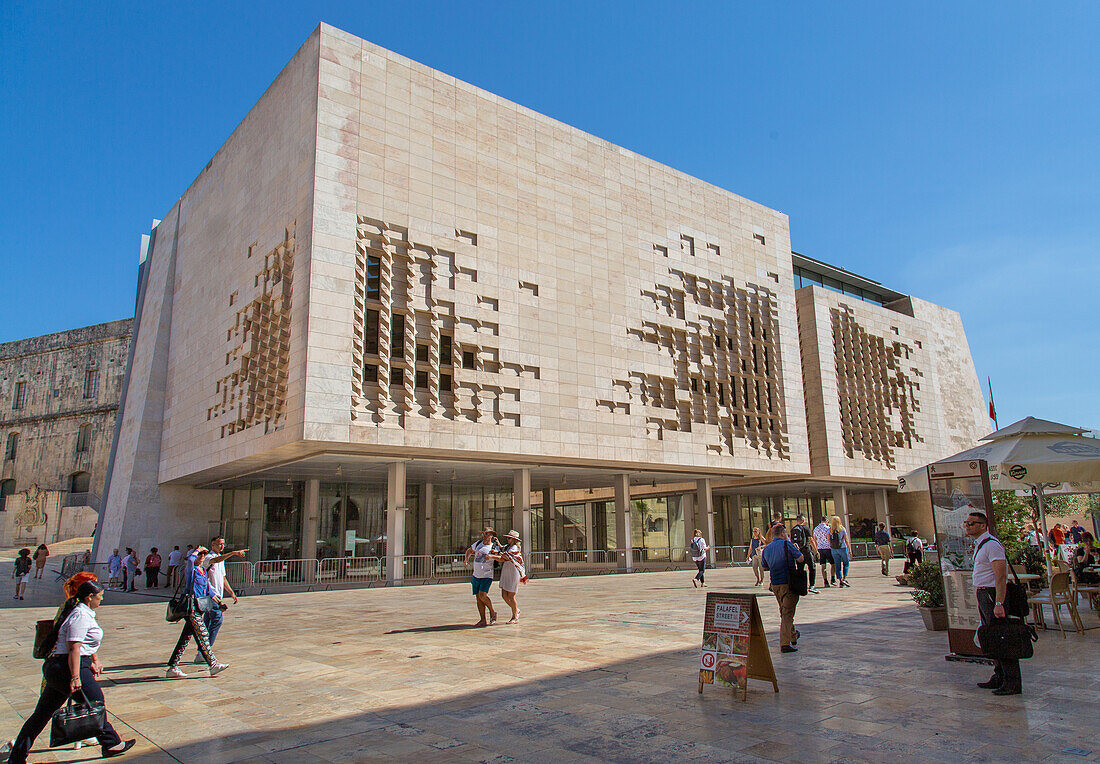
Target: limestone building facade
<point>394,307</point>
<point>59,397</point>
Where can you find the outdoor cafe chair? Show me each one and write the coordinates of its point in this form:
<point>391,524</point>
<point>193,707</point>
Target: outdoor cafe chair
<point>1058,596</point>
<point>1091,591</point>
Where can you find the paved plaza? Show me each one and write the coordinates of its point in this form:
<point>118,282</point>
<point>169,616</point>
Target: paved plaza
<point>600,668</point>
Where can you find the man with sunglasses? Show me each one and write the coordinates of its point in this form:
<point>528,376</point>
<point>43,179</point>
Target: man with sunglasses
<point>991,583</point>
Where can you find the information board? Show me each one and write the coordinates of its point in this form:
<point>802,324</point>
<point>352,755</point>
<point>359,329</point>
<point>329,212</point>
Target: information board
<point>957,489</point>
<point>734,646</point>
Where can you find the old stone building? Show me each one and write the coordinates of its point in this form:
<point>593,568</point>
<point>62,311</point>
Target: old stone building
<point>59,398</point>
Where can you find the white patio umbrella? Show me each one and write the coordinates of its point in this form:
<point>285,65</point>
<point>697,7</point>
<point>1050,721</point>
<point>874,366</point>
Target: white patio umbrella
<point>1032,454</point>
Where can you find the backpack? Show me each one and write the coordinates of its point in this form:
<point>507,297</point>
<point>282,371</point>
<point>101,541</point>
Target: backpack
<point>915,544</point>
<point>696,546</point>
<point>22,566</point>
<point>835,540</point>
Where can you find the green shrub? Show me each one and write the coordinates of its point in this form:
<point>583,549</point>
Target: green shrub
<point>927,583</point>
<point>1029,559</point>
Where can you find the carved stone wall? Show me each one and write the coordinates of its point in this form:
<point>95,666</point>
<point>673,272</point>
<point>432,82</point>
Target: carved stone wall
<point>254,391</point>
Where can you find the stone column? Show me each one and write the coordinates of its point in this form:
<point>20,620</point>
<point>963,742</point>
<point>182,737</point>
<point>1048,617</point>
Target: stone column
<point>882,510</point>
<point>687,505</point>
<point>548,509</point>
<point>623,536</point>
<point>311,522</point>
<point>704,510</point>
<point>588,527</point>
<point>840,506</point>
<point>395,523</point>
<point>427,533</point>
<point>521,509</point>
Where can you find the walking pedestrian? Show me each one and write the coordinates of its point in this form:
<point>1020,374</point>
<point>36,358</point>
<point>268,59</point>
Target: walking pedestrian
<point>512,572</point>
<point>840,548</point>
<point>200,598</point>
<point>779,557</point>
<point>756,544</point>
<point>21,571</point>
<point>173,566</point>
<point>885,551</point>
<point>215,573</point>
<point>914,553</point>
<point>483,553</point>
<point>73,667</point>
<point>114,570</point>
<point>40,556</point>
<point>990,578</point>
<point>802,537</point>
<point>152,569</point>
<point>824,553</point>
<point>699,549</point>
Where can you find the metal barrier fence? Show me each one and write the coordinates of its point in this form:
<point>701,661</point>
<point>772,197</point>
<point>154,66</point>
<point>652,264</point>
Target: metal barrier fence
<point>239,576</point>
<point>350,570</point>
<point>278,573</point>
<point>416,567</point>
<point>451,566</point>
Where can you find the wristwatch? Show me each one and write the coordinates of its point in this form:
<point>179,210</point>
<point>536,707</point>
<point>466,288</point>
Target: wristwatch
<point>998,603</point>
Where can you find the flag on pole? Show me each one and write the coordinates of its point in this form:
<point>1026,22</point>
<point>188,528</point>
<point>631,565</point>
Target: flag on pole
<point>992,410</point>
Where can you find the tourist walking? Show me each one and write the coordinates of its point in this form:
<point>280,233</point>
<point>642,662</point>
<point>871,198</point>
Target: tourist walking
<point>990,578</point>
<point>173,566</point>
<point>802,537</point>
<point>40,556</point>
<point>484,553</point>
<point>199,599</point>
<point>840,548</point>
<point>756,545</point>
<point>21,572</point>
<point>824,553</point>
<point>152,569</point>
<point>73,667</point>
<point>512,572</point>
<point>780,556</point>
<point>914,553</point>
<point>885,551</point>
<point>215,573</point>
<point>114,570</point>
<point>699,549</point>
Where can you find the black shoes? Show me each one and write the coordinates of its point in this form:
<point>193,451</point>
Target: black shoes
<point>992,684</point>
<point>126,746</point>
<point>1008,691</point>
<point>788,649</point>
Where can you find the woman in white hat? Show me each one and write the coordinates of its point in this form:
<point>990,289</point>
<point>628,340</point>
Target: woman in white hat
<point>511,572</point>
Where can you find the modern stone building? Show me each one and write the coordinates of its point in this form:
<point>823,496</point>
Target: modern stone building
<point>59,396</point>
<point>394,307</point>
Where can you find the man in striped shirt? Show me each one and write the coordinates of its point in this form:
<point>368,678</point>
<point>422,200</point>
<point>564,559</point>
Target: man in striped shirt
<point>824,553</point>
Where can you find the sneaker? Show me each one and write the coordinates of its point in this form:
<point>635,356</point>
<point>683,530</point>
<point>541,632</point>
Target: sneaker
<point>218,668</point>
<point>845,584</point>
<point>813,590</point>
<point>788,649</point>
<point>175,672</point>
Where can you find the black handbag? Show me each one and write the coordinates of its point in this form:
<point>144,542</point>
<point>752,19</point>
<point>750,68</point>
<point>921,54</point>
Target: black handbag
<point>203,604</point>
<point>1007,638</point>
<point>797,578</point>
<point>77,721</point>
<point>45,638</point>
<point>177,606</point>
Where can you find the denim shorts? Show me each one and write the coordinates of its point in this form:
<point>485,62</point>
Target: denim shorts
<point>480,584</point>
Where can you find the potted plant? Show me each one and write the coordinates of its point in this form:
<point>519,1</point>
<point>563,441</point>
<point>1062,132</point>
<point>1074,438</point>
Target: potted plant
<point>927,583</point>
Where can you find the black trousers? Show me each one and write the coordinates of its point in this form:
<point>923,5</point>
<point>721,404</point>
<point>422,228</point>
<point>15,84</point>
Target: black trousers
<point>1007,670</point>
<point>702,566</point>
<point>152,575</point>
<point>56,691</point>
<point>808,562</point>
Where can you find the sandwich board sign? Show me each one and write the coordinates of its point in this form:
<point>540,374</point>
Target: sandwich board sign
<point>734,646</point>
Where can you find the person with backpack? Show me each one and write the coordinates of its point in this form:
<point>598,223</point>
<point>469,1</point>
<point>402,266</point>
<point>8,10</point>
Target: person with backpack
<point>21,571</point>
<point>841,550</point>
<point>802,537</point>
<point>914,553</point>
<point>40,556</point>
<point>72,667</point>
<point>781,558</point>
<point>698,549</point>
<point>756,545</point>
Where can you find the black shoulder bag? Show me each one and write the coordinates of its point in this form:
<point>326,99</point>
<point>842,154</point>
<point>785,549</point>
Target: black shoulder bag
<point>797,578</point>
<point>177,606</point>
<point>1015,592</point>
<point>1009,637</point>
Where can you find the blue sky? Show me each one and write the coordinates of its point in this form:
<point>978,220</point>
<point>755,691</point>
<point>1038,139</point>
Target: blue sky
<point>949,150</point>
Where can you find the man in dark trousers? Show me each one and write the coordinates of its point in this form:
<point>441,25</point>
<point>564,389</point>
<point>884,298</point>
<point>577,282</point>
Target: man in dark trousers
<point>802,537</point>
<point>991,583</point>
<point>777,558</point>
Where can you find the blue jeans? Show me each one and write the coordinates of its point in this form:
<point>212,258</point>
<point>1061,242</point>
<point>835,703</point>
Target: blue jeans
<point>213,621</point>
<point>840,559</point>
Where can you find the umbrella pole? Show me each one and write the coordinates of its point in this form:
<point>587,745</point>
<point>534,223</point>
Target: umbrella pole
<point>1038,489</point>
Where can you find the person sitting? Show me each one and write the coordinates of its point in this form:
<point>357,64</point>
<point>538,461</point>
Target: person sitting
<point>1086,556</point>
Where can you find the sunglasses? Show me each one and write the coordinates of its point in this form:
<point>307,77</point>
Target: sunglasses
<point>973,522</point>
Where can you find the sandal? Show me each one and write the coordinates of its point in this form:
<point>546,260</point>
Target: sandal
<point>492,619</point>
<point>514,620</point>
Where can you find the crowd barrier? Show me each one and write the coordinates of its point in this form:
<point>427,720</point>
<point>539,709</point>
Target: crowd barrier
<point>273,575</point>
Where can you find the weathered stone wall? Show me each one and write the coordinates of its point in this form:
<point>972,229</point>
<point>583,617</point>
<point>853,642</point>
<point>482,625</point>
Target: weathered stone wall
<point>53,368</point>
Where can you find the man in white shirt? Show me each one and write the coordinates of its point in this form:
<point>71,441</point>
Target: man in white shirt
<point>484,552</point>
<point>215,572</point>
<point>114,568</point>
<point>173,567</point>
<point>991,582</point>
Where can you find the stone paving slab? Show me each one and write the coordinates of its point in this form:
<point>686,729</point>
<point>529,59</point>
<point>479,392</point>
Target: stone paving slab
<point>599,669</point>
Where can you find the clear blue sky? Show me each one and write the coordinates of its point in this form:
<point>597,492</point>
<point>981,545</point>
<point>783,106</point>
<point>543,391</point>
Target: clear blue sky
<point>949,150</point>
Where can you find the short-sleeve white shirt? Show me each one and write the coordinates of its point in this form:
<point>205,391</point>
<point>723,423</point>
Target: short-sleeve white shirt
<point>174,557</point>
<point>983,560</point>
<point>81,626</point>
<point>483,566</point>
<point>216,573</point>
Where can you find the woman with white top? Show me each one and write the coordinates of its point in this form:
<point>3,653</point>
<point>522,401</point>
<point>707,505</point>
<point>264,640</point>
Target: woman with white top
<point>698,550</point>
<point>71,668</point>
<point>511,572</point>
<point>841,549</point>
